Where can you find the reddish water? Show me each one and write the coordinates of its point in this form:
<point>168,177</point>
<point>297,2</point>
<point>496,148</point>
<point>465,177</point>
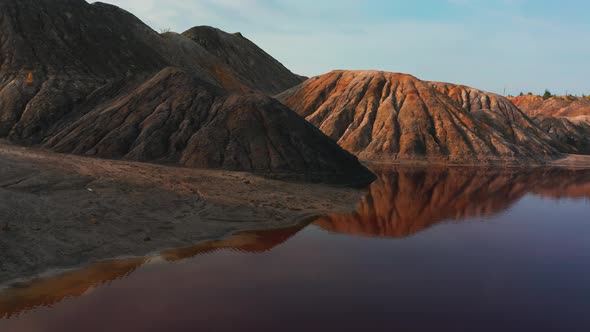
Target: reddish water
<point>436,250</point>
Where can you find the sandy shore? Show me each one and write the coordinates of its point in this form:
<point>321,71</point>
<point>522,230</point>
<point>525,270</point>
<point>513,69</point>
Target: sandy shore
<point>572,161</point>
<point>62,211</point>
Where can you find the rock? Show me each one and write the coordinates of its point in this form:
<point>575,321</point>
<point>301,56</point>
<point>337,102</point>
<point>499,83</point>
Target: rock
<point>382,116</point>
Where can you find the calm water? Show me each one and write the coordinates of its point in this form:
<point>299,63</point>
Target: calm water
<point>427,250</point>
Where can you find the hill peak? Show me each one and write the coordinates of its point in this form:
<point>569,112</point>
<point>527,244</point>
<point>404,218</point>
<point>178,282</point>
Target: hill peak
<point>250,63</point>
<point>384,116</point>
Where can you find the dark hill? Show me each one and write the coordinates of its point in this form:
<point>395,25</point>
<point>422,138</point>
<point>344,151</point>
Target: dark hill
<point>56,52</point>
<point>254,66</point>
<point>176,118</point>
<point>93,79</point>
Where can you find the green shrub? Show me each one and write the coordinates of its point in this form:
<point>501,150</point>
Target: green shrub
<point>547,95</point>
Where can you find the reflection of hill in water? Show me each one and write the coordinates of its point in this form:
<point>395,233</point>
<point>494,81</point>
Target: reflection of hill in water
<point>404,201</point>
<point>248,242</point>
<point>49,291</point>
<point>46,292</point>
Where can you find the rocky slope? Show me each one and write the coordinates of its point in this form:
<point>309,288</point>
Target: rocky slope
<point>176,118</point>
<point>384,116</point>
<point>495,111</point>
<point>93,79</point>
<point>555,107</point>
<point>565,119</point>
<point>572,132</point>
<point>55,53</point>
<point>251,64</point>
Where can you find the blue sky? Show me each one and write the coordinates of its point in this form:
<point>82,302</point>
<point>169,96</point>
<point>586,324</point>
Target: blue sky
<point>520,45</point>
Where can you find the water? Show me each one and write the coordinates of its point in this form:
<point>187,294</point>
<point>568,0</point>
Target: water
<point>457,249</point>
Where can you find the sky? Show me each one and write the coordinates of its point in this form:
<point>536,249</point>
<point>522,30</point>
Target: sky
<point>495,45</point>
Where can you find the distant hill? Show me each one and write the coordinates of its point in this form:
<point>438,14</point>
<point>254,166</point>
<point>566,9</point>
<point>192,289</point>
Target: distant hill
<point>563,106</point>
<point>566,119</point>
<point>383,116</point>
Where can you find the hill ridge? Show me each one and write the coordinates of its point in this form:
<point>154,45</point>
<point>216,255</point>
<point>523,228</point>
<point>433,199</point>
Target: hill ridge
<point>384,116</point>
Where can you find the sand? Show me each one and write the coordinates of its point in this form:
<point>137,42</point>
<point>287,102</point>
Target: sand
<point>572,161</point>
<point>64,211</point>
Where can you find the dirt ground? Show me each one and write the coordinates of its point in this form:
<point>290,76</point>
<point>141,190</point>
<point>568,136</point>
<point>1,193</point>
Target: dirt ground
<point>572,161</point>
<point>63,211</point>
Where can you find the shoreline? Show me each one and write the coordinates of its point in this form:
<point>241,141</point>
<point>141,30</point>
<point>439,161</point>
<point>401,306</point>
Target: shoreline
<point>566,161</point>
<point>61,211</point>
<point>25,294</point>
<point>301,222</point>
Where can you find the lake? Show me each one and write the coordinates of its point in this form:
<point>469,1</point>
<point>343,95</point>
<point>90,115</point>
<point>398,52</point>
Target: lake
<point>427,249</point>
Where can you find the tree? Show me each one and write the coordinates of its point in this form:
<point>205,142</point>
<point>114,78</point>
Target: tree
<point>521,94</point>
<point>547,95</point>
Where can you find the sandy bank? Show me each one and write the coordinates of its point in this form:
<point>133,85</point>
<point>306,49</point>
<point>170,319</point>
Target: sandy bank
<point>62,211</point>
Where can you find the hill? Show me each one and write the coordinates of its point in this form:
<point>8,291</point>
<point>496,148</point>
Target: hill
<point>565,119</point>
<point>563,106</point>
<point>383,116</point>
<point>249,62</point>
<point>93,79</point>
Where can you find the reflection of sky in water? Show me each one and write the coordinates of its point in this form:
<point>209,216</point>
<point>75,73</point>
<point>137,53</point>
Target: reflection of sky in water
<point>522,268</point>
